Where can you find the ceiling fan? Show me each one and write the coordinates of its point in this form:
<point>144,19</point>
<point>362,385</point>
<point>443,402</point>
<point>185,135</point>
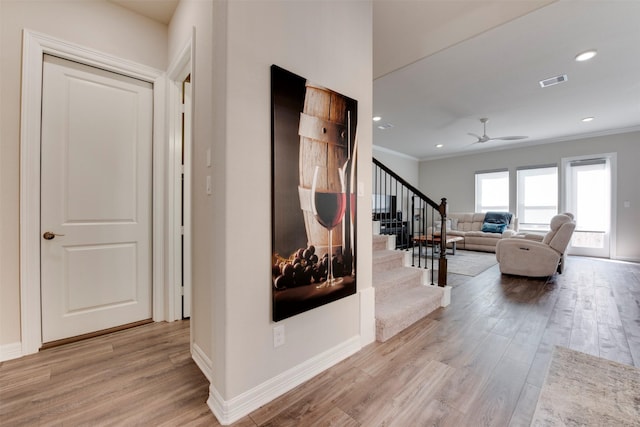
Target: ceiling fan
<point>485,137</point>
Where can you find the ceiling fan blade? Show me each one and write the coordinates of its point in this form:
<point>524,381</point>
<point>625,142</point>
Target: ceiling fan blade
<point>485,137</point>
<point>510,138</point>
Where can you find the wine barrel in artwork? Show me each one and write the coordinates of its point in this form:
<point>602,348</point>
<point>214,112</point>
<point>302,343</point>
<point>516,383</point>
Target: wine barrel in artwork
<point>323,142</point>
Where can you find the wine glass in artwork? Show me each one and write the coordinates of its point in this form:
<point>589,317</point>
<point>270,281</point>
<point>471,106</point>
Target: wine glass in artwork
<point>328,202</point>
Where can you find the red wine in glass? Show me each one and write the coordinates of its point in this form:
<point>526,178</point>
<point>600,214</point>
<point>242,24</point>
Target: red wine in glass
<point>328,203</point>
<point>329,208</point>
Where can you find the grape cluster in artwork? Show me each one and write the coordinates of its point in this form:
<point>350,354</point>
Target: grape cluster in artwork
<point>304,267</point>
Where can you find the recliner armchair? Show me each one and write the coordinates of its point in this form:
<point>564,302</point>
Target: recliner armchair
<point>524,256</point>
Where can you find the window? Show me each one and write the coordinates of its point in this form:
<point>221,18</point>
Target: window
<point>492,191</point>
<point>537,196</point>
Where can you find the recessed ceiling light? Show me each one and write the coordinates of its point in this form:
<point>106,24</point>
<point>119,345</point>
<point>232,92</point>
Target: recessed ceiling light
<point>588,119</point>
<point>587,55</point>
<point>377,118</point>
<point>439,145</point>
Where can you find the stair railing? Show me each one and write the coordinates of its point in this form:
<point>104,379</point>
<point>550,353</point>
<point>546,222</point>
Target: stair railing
<point>404,211</point>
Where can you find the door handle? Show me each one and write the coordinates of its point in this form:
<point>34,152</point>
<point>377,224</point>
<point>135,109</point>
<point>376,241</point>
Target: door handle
<point>48,235</point>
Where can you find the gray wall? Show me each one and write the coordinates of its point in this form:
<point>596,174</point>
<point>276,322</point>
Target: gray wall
<point>453,178</point>
<point>407,167</point>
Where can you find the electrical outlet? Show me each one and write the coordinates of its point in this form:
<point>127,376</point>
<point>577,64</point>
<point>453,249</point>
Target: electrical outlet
<point>278,335</point>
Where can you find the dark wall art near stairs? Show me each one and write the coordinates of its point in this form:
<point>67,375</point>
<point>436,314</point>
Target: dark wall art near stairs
<point>313,179</point>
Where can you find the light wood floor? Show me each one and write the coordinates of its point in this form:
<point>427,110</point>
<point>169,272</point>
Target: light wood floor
<point>480,361</point>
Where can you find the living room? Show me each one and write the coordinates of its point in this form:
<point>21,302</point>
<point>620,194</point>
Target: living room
<point>428,153</point>
<point>459,188</point>
<point>587,116</point>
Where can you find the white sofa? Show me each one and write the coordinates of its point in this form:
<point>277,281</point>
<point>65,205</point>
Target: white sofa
<point>469,226</point>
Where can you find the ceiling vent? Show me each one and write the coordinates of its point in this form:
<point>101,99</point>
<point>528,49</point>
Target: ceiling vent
<point>553,80</point>
<point>385,126</point>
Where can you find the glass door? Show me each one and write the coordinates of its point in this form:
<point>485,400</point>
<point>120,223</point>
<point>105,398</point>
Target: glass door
<point>588,195</point>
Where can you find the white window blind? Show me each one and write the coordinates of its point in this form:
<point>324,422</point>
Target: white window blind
<point>537,196</point>
<point>492,191</point>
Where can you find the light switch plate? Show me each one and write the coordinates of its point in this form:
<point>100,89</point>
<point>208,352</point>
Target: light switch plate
<point>278,335</point>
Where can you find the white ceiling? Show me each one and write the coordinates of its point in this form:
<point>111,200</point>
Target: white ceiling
<point>159,10</point>
<point>441,65</point>
<point>440,98</point>
<point>407,31</point>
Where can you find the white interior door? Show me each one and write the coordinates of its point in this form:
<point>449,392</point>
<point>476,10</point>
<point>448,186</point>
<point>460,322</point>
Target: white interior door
<point>96,174</point>
<point>186,201</point>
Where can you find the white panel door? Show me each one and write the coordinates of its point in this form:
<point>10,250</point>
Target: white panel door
<point>96,198</point>
<point>186,202</point>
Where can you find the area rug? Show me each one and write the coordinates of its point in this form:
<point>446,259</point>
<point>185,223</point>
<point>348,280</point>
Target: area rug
<point>584,390</point>
<point>468,263</point>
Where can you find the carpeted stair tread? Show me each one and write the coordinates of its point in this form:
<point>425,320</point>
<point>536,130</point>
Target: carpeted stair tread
<point>400,297</point>
<point>400,310</point>
<point>380,241</point>
<point>387,259</point>
<point>396,280</point>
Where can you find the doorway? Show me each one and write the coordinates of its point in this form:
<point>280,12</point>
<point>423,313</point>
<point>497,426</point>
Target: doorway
<point>185,212</point>
<point>180,103</point>
<point>589,194</point>
<point>36,46</point>
<point>96,200</point>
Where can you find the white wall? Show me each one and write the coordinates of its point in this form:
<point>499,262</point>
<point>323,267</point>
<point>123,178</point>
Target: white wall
<point>307,38</point>
<point>98,25</point>
<point>236,43</point>
<point>199,15</point>
<point>454,178</point>
<point>405,166</point>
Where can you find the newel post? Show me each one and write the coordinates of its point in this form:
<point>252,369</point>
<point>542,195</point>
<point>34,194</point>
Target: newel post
<point>442,261</point>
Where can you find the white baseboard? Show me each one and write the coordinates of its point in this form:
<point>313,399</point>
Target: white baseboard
<point>202,360</point>
<point>446,297</point>
<point>10,351</point>
<point>229,411</point>
<point>391,242</point>
<point>367,315</point>
<point>625,259</point>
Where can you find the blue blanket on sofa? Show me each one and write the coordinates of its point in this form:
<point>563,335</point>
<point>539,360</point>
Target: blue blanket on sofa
<point>498,217</point>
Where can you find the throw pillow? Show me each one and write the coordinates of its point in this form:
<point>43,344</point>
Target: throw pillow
<point>488,227</point>
<point>498,217</point>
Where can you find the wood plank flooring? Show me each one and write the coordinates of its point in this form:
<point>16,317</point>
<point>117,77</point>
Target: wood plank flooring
<point>479,362</point>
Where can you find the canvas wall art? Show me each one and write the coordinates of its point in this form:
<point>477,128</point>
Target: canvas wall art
<point>314,147</point>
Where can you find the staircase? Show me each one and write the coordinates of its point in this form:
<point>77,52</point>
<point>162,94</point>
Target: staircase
<point>402,295</point>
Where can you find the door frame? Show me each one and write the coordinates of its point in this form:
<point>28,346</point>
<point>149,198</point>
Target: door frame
<point>178,267</point>
<point>34,46</point>
<point>613,164</point>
